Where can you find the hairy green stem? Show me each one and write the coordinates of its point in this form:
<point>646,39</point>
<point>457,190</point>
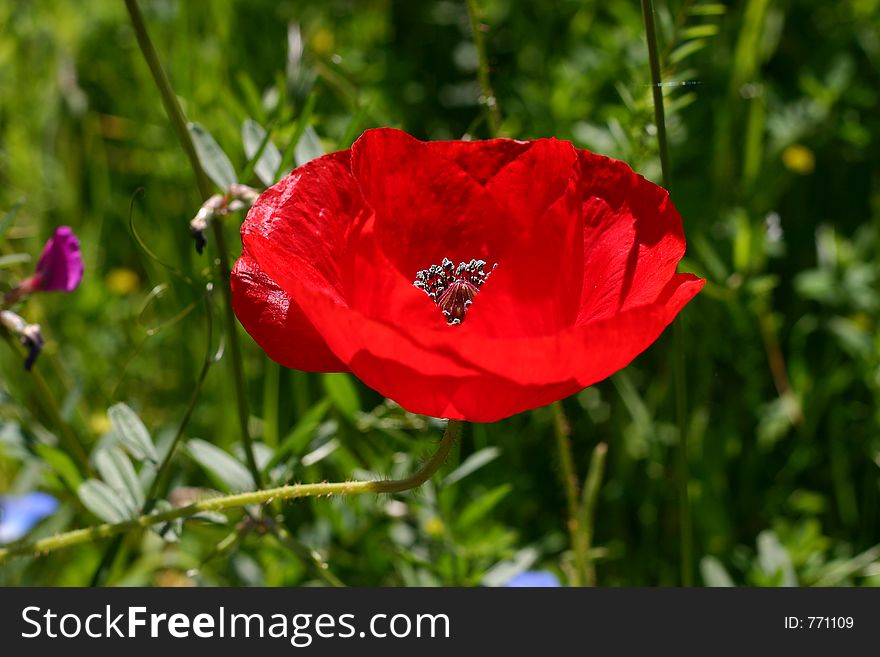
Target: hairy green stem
<point>579,544</point>
<point>678,371</point>
<point>226,502</point>
<point>178,121</point>
<point>493,113</point>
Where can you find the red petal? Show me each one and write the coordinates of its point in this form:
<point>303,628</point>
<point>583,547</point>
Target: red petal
<point>481,160</point>
<point>633,238</point>
<point>304,222</point>
<point>427,207</point>
<point>536,288</point>
<point>579,358</point>
<point>276,323</point>
<point>527,186</point>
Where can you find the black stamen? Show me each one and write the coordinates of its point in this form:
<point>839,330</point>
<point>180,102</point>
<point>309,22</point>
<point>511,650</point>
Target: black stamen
<point>453,288</point>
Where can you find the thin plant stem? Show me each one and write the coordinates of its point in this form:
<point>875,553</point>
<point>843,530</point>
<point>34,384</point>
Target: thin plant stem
<point>178,121</point>
<point>112,550</point>
<point>493,113</point>
<point>678,371</point>
<point>579,545</point>
<point>235,353</point>
<point>657,91</point>
<point>587,516</point>
<point>50,406</point>
<point>227,502</point>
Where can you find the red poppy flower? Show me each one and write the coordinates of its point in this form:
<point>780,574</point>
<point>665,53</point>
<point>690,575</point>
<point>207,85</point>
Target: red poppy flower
<point>467,280</point>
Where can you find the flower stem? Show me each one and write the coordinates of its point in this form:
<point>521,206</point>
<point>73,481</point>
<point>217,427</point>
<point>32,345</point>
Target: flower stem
<point>226,502</point>
<point>493,113</point>
<point>657,90</point>
<point>579,545</point>
<point>178,121</point>
<point>678,372</point>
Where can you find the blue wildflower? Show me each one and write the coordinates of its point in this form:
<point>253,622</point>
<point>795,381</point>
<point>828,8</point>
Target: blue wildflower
<point>534,579</point>
<point>19,514</point>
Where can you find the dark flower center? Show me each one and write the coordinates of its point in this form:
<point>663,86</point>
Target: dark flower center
<point>453,288</point>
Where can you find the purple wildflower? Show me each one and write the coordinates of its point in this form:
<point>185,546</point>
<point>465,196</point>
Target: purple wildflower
<point>60,268</point>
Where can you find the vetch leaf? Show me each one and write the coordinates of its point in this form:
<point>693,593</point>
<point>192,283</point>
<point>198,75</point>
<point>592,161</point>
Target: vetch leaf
<point>132,432</point>
<point>308,147</point>
<point>117,471</point>
<point>223,465</point>
<point>774,559</point>
<point>471,464</point>
<point>714,573</point>
<point>102,500</point>
<point>319,454</point>
<point>503,571</point>
<point>257,143</point>
<point>212,158</point>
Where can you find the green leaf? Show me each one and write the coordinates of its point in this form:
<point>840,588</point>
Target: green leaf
<point>477,510</point>
<point>342,393</point>
<point>61,463</point>
<point>9,216</point>
<point>503,571</point>
<point>117,471</point>
<point>103,501</point>
<point>308,147</point>
<point>257,144</point>
<point>714,573</point>
<point>212,158</point>
<point>297,440</point>
<point>775,560</point>
<point>742,242</point>
<point>232,473</point>
<point>686,49</point>
<point>471,464</point>
<point>699,32</point>
<point>709,9</point>
<point>14,259</point>
<point>132,432</point>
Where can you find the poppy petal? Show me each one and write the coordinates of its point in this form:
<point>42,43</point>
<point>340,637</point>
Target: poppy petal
<point>481,160</point>
<point>633,238</point>
<point>427,208</point>
<point>276,323</point>
<point>527,373</point>
<point>535,290</point>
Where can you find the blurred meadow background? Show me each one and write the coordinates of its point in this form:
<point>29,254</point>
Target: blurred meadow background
<point>772,113</point>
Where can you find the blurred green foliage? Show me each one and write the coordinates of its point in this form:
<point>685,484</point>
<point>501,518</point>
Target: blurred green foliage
<point>774,129</point>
